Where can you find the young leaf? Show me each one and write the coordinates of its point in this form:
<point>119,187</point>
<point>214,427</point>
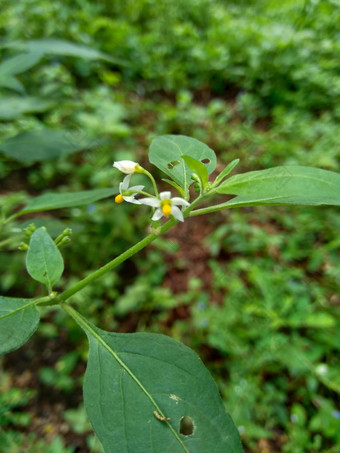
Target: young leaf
<point>19,319</point>
<point>140,389</point>
<point>44,262</point>
<point>49,201</point>
<point>197,167</point>
<point>283,185</point>
<point>228,169</point>
<point>166,153</point>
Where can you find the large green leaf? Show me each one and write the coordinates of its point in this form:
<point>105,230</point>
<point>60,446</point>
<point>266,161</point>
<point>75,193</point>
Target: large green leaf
<point>14,106</point>
<point>49,201</point>
<point>137,389</point>
<point>283,185</point>
<point>44,262</point>
<point>19,319</point>
<point>166,153</point>
<point>65,48</point>
<point>45,144</point>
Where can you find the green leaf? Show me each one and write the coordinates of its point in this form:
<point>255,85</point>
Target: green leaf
<point>166,153</point>
<point>45,144</point>
<point>283,185</point>
<point>14,106</point>
<point>65,48</point>
<point>44,262</point>
<point>19,319</point>
<point>49,201</point>
<point>12,83</point>
<point>19,63</point>
<point>199,168</point>
<point>132,381</point>
<point>228,169</point>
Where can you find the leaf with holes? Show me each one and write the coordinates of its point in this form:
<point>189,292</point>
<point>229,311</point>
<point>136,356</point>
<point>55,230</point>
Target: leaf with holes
<point>283,185</point>
<point>166,152</point>
<point>44,262</point>
<point>149,393</point>
<point>19,319</point>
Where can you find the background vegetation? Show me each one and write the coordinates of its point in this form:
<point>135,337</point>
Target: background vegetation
<point>254,291</point>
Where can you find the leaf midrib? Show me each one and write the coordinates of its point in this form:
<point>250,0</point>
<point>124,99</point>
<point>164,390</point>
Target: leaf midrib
<point>89,329</point>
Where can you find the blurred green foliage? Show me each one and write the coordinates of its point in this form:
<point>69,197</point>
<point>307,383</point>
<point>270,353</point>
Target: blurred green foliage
<point>256,80</point>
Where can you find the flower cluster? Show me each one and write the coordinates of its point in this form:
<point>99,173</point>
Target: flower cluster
<point>164,204</point>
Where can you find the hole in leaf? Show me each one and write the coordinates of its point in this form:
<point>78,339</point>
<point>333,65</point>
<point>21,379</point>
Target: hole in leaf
<point>205,161</point>
<point>186,426</point>
<point>173,163</point>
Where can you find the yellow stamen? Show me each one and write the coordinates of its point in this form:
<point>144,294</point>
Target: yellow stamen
<point>119,199</point>
<point>166,209</point>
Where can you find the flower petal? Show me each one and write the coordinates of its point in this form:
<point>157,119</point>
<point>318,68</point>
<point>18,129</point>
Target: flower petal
<point>177,213</point>
<point>136,188</point>
<point>131,199</point>
<point>125,183</point>
<point>154,202</point>
<point>157,215</point>
<point>165,195</point>
<point>178,201</point>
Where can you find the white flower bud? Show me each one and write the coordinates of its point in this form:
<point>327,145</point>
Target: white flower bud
<point>126,166</point>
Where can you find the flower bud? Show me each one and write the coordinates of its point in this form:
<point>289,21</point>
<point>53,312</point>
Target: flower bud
<point>126,166</point>
<point>23,246</point>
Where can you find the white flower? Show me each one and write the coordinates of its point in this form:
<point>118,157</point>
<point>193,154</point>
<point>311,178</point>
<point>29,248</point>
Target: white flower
<point>166,206</point>
<point>123,188</point>
<point>126,166</point>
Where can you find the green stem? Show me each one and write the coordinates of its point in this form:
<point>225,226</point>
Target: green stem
<point>199,199</point>
<point>131,192</point>
<point>115,262</point>
<point>209,209</point>
<point>31,302</point>
<point>149,175</point>
<point>14,216</point>
<point>8,241</point>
